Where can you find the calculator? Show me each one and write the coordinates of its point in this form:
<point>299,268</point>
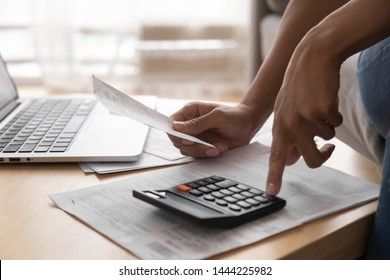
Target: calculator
<point>214,201</point>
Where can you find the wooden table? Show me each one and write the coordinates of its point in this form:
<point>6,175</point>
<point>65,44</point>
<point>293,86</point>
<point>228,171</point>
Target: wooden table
<point>31,227</point>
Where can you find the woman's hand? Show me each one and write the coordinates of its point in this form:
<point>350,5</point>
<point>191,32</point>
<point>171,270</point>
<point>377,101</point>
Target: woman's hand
<point>226,127</point>
<point>306,106</point>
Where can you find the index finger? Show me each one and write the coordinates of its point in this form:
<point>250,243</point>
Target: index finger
<point>192,110</point>
<point>277,162</point>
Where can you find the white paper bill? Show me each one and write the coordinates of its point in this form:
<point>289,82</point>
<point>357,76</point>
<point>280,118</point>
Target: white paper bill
<point>151,233</point>
<point>119,103</point>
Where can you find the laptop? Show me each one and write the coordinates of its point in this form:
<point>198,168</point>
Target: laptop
<point>73,128</point>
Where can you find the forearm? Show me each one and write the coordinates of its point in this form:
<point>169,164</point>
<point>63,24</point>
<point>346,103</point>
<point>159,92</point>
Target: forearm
<point>354,27</point>
<point>299,17</point>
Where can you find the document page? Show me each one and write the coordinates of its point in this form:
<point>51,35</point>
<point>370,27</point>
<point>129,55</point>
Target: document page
<point>151,233</point>
<point>158,151</point>
<point>122,104</point>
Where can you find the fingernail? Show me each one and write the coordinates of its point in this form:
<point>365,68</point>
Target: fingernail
<point>212,153</point>
<point>329,147</point>
<point>271,189</point>
<point>221,148</point>
<point>187,142</point>
<point>179,125</point>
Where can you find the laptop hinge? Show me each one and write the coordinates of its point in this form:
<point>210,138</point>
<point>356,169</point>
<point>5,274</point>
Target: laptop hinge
<point>8,109</point>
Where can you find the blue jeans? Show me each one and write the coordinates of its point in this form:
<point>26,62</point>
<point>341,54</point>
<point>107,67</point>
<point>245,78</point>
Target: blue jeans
<point>374,81</point>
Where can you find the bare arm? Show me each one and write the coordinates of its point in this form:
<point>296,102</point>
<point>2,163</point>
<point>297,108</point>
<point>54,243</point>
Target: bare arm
<point>307,103</point>
<point>350,29</point>
<point>299,17</point>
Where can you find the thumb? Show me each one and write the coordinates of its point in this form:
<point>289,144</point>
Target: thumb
<point>194,126</point>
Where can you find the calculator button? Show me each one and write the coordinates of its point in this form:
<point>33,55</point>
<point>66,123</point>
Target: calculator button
<point>253,202</point>
<point>244,204</point>
<point>235,208</point>
<point>222,203</point>
<point>234,189</point>
<point>209,197</point>
<point>210,180</point>
<point>230,199</point>
<point>243,187</point>
<point>183,188</point>
<point>226,192</point>
<point>256,191</point>
<point>271,198</point>
<point>218,195</point>
<point>217,178</point>
<point>226,184</point>
<point>239,196</point>
<point>261,199</point>
<point>193,185</point>
<point>201,182</point>
<point>213,187</point>
<point>247,194</point>
<point>195,192</point>
<point>204,190</point>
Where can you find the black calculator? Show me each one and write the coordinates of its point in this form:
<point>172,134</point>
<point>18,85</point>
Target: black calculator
<point>214,201</point>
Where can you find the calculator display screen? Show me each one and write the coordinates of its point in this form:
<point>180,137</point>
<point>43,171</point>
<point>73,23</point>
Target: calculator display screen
<point>189,205</point>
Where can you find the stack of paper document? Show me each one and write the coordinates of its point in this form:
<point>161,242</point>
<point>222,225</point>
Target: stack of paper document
<point>158,151</point>
<point>151,233</point>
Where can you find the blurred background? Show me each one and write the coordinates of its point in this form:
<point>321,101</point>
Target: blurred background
<point>197,49</point>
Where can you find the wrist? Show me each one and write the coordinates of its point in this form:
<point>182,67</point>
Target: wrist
<point>321,46</point>
<point>256,116</point>
<point>351,28</point>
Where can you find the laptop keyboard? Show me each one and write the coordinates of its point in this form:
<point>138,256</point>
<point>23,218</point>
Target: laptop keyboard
<point>45,126</point>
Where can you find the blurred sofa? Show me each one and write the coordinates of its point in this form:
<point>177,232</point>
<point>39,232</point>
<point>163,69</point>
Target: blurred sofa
<point>269,23</point>
<point>266,15</point>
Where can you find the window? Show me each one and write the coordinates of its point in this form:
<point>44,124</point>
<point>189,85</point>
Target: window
<point>138,45</point>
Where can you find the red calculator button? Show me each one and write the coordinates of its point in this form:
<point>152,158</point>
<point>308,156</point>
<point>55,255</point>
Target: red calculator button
<point>183,188</point>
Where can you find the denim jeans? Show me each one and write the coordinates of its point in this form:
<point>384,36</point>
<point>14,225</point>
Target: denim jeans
<point>374,81</point>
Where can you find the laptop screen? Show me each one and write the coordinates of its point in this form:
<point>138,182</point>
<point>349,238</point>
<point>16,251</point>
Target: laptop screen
<point>7,87</point>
